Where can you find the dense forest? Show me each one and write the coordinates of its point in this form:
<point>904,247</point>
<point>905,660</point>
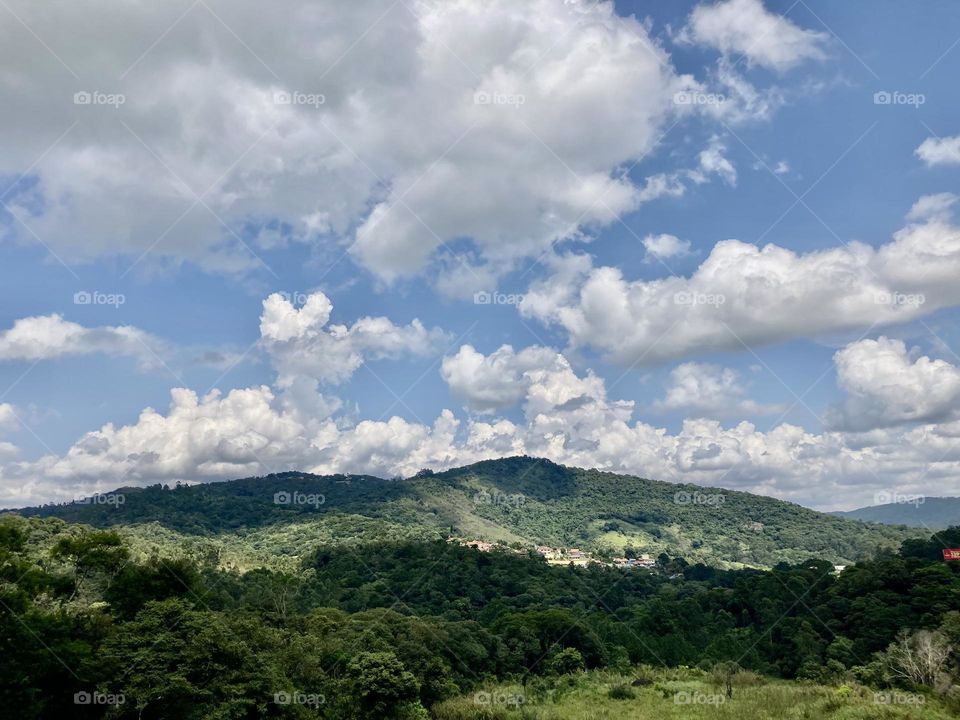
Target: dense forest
<point>518,500</point>
<point>401,629</point>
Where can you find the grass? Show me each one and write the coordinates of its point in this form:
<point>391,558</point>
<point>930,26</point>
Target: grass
<point>684,694</point>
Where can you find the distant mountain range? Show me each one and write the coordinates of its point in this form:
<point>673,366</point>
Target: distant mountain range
<point>276,519</point>
<point>935,513</point>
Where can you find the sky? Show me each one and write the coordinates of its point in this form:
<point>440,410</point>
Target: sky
<point>706,242</point>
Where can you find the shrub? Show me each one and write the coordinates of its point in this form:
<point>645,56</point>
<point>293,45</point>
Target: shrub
<point>621,692</point>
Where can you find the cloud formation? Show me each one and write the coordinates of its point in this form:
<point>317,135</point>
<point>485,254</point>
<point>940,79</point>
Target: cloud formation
<point>707,390</point>
<point>744,296</point>
<point>213,133</point>
<point>886,385</point>
<point>746,27</point>
<point>940,151</point>
<point>50,336</point>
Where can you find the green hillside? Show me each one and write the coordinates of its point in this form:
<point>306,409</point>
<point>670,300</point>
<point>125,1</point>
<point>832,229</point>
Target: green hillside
<point>935,513</point>
<point>517,500</point>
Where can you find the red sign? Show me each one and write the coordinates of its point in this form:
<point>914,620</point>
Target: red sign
<point>951,554</point>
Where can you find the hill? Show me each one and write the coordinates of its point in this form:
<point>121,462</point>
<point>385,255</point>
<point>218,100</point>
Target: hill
<point>934,513</point>
<point>520,500</point>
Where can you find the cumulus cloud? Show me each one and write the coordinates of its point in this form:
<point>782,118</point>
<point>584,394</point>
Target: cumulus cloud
<point>747,28</point>
<point>392,128</point>
<point>567,417</point>
<point>940,151</point>
<point>499,380</point>
<point>302,344</point>
<point>713,161</point>
<point>743,295</point>
<point>710,391</point>
<point>665,246</point>
<point>8,417</point>
<point>886,385</point>
<point>50,336</point>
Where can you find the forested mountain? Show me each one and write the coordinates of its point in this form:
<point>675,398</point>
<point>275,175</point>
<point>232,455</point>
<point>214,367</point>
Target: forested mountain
<point>522,501</point>
<point>935,513</point>
<point>402,630</point>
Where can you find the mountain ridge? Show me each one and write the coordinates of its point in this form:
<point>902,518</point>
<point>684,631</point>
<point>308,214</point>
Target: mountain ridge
<point>516,500</point>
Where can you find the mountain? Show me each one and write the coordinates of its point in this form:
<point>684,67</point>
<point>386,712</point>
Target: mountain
<point>277,519</point>
<point>934,513</point>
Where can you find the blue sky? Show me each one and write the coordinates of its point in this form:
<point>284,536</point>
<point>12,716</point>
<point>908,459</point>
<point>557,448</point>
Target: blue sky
<point>203,192</point>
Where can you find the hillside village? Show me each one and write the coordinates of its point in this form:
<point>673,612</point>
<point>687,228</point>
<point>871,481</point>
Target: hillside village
<point>561,556</point>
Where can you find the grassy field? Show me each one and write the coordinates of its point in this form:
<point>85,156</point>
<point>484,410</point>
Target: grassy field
<point>686,695</point>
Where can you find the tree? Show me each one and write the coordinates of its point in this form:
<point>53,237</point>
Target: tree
<point>920,658</point>
<point>568,660</point>
<point>723,674</point>
<point>380,684</point>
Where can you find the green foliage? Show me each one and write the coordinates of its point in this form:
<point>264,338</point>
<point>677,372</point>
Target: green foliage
<point>566,661</point>
<point>239,523</point>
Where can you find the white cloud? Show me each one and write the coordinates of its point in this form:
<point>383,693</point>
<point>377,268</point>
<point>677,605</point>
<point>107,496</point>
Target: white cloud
<point>399,156</point>
<point>747,28</point>
<point>49,336</point>
<point>495,381</point>
<point>745,295</point>
<point>940,151</point>
<point>714,161</point>
<point>8,417</point>
<point>566,417</point>
<point>887,386</point>
<point>302,344</point>
<point>709,391</point>
<point>665,246</point>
